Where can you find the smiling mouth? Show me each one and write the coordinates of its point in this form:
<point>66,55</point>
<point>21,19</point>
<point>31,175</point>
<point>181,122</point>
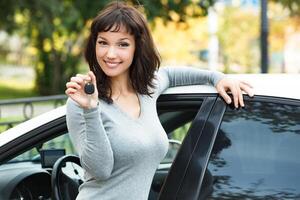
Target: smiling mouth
<point>112,64</point>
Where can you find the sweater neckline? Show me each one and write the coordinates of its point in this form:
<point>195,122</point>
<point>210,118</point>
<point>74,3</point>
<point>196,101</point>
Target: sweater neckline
<point>126,114</point>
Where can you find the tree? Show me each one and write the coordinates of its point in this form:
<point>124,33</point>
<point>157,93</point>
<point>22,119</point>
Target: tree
<point>239,41</point>
<point>292,5</point>
<point>57,29</point>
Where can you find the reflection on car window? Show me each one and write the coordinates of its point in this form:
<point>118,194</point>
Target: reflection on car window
<point>255,155</point>
<point>60,142</point>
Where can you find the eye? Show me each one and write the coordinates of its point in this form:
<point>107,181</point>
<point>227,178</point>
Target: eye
<point>123,44</point>
<point>102,43</point>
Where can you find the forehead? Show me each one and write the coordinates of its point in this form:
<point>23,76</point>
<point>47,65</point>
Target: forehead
<point>116,32</point>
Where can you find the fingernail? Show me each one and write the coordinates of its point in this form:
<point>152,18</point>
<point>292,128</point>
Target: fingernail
<point>228,101</point>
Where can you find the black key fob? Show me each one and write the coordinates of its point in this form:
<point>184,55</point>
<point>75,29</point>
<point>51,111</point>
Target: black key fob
<point>89,88</point>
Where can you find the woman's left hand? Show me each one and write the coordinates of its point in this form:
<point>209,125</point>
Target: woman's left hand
<point>236,88</point>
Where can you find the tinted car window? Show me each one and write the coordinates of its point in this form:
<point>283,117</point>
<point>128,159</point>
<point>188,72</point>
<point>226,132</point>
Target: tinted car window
<point>256,153</point>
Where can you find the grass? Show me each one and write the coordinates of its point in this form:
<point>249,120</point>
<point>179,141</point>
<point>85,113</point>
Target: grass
<point>11,89</point>
<point>9,119</point>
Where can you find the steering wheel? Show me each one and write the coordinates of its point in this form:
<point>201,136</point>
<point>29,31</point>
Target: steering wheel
<point>63,187</point>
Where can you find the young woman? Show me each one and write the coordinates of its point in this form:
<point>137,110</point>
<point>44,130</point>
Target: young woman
<point>116,130</point>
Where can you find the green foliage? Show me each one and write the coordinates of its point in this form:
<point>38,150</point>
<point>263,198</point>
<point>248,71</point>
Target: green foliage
<point>11,89</point>
<point>292,5</point>
<point>239,42</point>
<point>180,133</point>
<point>57,29</point>
<point>8,92</point>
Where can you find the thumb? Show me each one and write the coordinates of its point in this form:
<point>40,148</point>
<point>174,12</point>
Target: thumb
<point>93,77</point>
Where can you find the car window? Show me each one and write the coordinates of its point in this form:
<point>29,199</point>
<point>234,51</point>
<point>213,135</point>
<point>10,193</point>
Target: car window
<point>256,153</point>
<point>176,124</point>
<point>60,142</point>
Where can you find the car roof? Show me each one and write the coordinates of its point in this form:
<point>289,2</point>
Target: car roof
<point>277,85</point>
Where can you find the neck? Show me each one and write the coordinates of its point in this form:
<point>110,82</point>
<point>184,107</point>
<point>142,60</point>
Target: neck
<point>120,86</point>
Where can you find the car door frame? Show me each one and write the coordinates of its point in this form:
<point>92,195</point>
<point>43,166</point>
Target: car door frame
<point>200,138</point>
<point>33,138</point>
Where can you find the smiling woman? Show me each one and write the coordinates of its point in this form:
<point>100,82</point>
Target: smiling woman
<point>116,130</point>
<point>114,52</point>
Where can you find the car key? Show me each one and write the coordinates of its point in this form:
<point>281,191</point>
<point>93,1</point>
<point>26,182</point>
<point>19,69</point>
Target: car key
<point>89,88</point>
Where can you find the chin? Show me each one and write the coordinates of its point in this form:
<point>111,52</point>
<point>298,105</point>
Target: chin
<point>112,72</point>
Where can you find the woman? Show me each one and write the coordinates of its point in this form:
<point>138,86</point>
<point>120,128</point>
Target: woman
<point>116,130</point>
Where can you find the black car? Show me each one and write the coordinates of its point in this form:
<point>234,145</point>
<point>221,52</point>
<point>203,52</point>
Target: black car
<point>215,151</point>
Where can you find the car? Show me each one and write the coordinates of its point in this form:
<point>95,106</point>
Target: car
<point>216,151</point>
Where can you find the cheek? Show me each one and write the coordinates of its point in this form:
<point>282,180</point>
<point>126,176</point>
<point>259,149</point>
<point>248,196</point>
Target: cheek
<point>99,52</point>
<point>130,55</point>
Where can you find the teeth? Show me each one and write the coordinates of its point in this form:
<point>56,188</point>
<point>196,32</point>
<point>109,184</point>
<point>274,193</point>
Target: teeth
<point>112,64</point>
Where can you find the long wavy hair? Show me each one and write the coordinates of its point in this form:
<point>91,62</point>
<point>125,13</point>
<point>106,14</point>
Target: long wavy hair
<point>146,57</point>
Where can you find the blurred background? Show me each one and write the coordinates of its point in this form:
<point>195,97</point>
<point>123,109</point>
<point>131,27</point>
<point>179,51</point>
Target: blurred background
<point>41,42</point>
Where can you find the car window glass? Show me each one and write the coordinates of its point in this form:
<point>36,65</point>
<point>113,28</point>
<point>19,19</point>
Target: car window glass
<point>176,124</point>
<point>60,142</point>
<point>256,154</point>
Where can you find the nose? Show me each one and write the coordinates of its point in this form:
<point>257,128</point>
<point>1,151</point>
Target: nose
<point>111,53</point>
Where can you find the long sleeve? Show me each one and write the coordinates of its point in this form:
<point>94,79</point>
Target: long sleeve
<point>88,135</point>
<point>180,76</point>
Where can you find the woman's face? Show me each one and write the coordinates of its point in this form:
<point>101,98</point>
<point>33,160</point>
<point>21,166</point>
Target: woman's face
<point>115,52</point>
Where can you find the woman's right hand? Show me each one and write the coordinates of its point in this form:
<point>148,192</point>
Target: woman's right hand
<point>75,90</point>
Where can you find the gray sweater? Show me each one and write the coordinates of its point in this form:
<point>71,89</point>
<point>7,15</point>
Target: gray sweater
<point>119,153</point>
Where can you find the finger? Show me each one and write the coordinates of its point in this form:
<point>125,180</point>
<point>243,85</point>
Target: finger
<point>241,99</point>
<point>224,95</point>
<point>92,76</point>
<point>248,90</point>
<point>77,79</point>
<point>246,83</point>
<point>73,85</point>
<point>70,91</point>
<point>235,95</point>
<point>84,77</point>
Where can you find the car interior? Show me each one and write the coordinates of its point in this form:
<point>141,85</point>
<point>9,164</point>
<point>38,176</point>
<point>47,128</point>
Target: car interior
<point>33,173</point>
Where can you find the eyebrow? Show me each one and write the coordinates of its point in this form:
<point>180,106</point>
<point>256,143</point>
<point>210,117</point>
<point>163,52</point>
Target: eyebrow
<point>106,39</point>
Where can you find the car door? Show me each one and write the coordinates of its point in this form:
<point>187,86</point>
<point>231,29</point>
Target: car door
<point>186,174</point>
<point>256,152</point>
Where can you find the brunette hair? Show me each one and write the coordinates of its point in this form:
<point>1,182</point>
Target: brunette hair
<point>146,58</point>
